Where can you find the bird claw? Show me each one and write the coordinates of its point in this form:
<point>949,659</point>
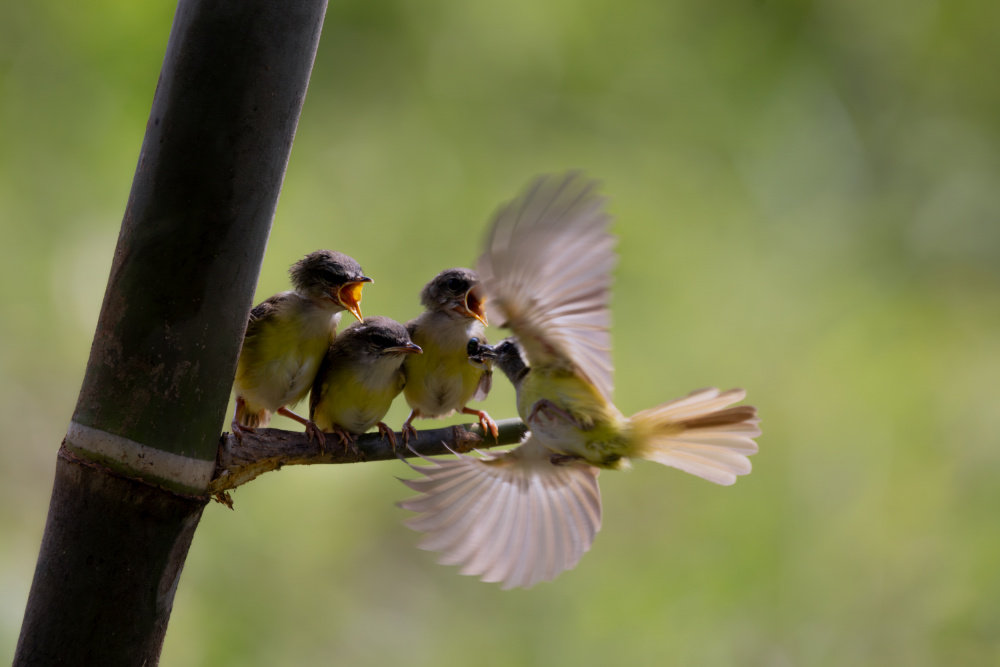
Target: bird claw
<point>548,409</point>
<point>387,432</point>
<point>408,432</point>
<point>346,439</point>
<point>239,430</point>
<point>489,426</point>
<point>551,411</point>
<point>315,431</point>
<point>485,422</point>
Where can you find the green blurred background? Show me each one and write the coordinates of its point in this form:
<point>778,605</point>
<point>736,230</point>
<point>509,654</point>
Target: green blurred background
<point>808,199</point>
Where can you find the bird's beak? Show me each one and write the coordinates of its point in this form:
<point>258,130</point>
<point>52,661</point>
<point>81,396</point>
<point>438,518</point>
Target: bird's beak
<point>409,348</point>
<point>475,305</point>
<point>349,296</point>
<point>486,352</point>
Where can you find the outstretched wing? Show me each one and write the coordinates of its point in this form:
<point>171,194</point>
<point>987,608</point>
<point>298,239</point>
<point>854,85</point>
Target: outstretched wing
<point>515,518</point>
<point>546,271</point>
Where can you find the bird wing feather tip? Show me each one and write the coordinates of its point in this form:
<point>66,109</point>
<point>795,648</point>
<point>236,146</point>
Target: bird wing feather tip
<point>435,462</point>
<point>490,553</point>
<point>518,523</point>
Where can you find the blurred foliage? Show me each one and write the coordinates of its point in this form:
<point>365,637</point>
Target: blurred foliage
<point>808,207</point>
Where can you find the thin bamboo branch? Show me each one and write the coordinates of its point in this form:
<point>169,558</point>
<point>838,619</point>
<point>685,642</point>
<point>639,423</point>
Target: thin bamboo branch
<point>243,459</point>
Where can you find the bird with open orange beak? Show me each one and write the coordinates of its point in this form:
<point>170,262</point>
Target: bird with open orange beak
<point>444,379</point>
<point>287,336</point>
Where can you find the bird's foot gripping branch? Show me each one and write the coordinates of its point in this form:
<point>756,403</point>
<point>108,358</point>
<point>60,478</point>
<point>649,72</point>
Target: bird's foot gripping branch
<point>242,459</point>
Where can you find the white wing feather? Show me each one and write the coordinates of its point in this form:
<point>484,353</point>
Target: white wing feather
<point>546,272</point>
<point>515,518</point>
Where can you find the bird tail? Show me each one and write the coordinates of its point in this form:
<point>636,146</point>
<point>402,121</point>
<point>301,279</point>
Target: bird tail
<point>700,434</point>
<point>517,518</point>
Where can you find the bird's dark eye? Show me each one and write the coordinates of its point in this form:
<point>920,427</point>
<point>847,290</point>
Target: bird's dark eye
<point>383,341</point>
<point>472,347</point>
<point>328,276</point>
<point>455,284</point>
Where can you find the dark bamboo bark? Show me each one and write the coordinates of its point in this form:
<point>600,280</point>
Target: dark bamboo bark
<point>108,568</point>
<point>205,189</point>
<point>146,427</point>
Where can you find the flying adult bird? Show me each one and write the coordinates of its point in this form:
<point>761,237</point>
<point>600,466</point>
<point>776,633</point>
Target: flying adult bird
<point>445,378</point>
<point>361,374</point>
<point>287,336</point>
<point>523,516</point>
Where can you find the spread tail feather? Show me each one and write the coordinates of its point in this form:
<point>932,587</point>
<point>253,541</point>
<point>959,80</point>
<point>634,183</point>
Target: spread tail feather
<point>700,435</point>
<point>516,518</point>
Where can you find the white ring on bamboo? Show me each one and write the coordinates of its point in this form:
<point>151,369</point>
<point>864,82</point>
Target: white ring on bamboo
<point>143,459</point>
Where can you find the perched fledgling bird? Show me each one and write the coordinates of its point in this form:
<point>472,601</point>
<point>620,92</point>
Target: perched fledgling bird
<point>361,374</point>
<point>444,378</point>
<point>287,336</point>
<point>523,516</point>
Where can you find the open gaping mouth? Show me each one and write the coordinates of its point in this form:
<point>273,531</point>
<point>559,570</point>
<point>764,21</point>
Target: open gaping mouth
<point>475,305</point>
<point>349,296</point>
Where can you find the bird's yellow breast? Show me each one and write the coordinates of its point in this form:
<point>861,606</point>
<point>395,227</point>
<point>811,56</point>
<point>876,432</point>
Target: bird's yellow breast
<point>594,428</point>
<point>441,379</point>
<point>352,404</point>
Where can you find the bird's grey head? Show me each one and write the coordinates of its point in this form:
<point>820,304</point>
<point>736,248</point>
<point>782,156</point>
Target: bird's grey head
<point>510,360</point>
<point>331,276</point>
<point>377,338</point>
<point>456,293</point>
